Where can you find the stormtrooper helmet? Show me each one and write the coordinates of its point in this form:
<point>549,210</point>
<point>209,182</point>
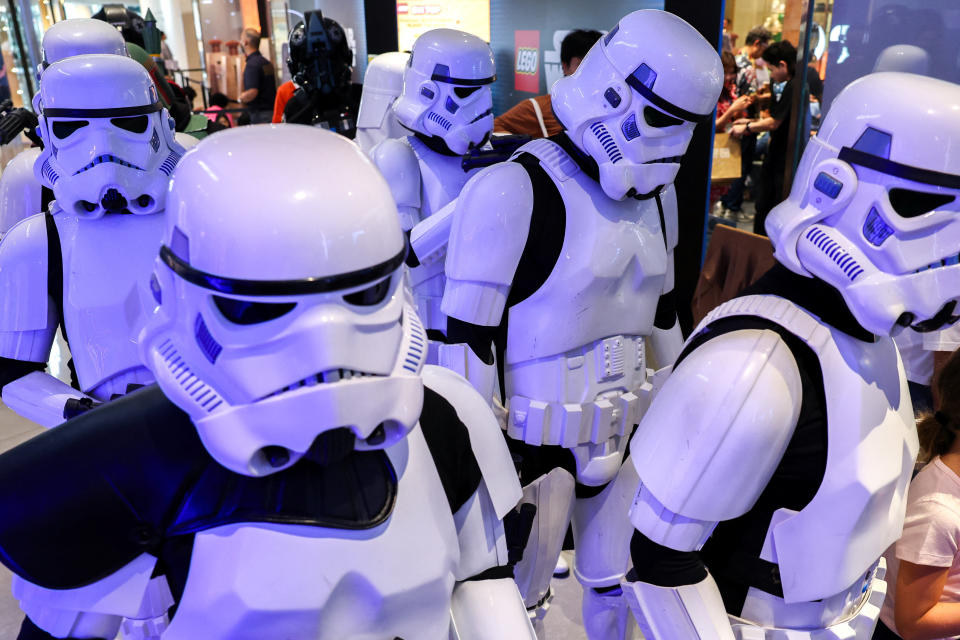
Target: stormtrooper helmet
<point>634,101</point>
<point>382,85</point>
<point>76,37</point>
<point>446,89</point>
<point>311,350</point>
<point>874,210</point>
<point>80,36</point>
<point>108,144</point>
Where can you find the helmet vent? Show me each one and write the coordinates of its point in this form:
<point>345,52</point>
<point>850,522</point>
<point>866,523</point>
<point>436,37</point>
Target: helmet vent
<point>875,230</point>
<point>48,173</point>
<point>210,347</point>
<point>204,396</point>
<point>440,120</point>
<point>850,267</point>
<point>418,341</point>
<point>629,127</point>
<point>607,141</point>
<point>170,163</point>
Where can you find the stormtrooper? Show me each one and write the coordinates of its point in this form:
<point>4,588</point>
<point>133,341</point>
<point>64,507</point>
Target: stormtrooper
<point>21,193</point>
<point>84,264</point>
<point>561,259</point>
<point>382,85</point>
<point>297,472</point>
<point>775,460</point>
<point>321,63</point>
<point>447,107</point>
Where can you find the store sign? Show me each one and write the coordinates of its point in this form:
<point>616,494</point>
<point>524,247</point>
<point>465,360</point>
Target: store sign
<point>526,68</point>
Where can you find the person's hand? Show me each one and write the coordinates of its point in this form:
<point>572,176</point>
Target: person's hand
<point>738,130</point>
<point>742,121</point>
<point>741,103</point>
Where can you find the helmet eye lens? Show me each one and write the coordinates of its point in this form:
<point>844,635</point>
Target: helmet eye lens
<point>63,129</point>
<point>910,204</point>
<point>465,92</point>
<point>658,119</point>
<point>246,312</point>
<point>133,124</point>
<point>369,296</point>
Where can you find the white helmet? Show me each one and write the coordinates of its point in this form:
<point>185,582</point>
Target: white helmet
<point>382,85</point>
<point>875,206</point>
<point>634,101</point>
<point>80,36</point>
<point>284,328</point>
<point>108,143</point>
<point>75,37</point>
<point>446,89</point>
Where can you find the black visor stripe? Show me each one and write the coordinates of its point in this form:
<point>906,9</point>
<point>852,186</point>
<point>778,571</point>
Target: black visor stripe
<point>467,82</point>
<point>663,105</point>
<point>117,112</point>
<point>324,284</point>
<point>891,168</point>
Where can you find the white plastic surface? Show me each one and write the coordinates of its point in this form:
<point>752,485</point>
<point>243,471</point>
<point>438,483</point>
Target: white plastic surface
<point>489,231</point>
<point>461,359</point>
<point>489,610</point>
<point>264,375</point>
<point>734,398</point>
<point>429,102</point>
<point>20,191</point>
<point>382,84</point>
<point>39,397</point>
<point>398,164</point>
<point>84,165</point>
<point>107,264</point>
<point>79,36</point>
<point>913,268</point>
<point>688,75</point>
<point>23,280</point>
<point>688,612</point>
<point>330,584</point>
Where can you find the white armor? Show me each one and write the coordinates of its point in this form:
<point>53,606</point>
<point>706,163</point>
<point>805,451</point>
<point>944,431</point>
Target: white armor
<point>859,190</point>
<point>20,192</point>
<point>575,367</point>
<point>399,579</point>
<point>633,108</point>
<point>446,89</point>
<point>873,212</point>
<point>105,260</point>
<point>748,395</point>
<point>382,84</point>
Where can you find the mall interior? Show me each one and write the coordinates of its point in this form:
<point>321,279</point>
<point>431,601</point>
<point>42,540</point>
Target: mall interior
<point>479,319</point>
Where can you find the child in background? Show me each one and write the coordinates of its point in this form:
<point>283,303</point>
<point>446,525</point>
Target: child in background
<point>923,575</point>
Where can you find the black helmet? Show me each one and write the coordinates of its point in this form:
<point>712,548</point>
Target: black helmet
<point>320,59</point>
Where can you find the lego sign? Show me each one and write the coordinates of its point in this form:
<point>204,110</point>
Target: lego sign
<point>526,68</point>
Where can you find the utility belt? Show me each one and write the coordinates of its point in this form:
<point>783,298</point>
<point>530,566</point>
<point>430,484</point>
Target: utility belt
<point>611,412</point>
<point>850,615</point>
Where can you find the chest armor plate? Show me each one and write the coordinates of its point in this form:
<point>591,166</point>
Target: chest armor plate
<point>106,281</point>
<point>871,447</point>
<point>610,273</point>
<point>441,178</point>
<point>255,581</point>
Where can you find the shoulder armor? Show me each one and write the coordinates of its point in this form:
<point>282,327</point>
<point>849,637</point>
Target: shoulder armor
<point>490,228</point>
<point>718,428</point>
<point>552,157</point>
<point>23,276</point>
<point>19,189</point>
<point>399,165</point>
<point>486,440</point>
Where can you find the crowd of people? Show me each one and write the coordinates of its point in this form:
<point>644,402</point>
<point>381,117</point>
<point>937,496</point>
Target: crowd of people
<point>326,388</point>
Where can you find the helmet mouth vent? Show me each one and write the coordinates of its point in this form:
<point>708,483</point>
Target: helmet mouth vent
<point>113,201</point>
<point>107,158</point>
<point>329,376</point>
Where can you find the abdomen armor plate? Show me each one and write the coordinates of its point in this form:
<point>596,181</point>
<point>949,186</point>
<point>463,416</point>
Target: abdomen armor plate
<point>107,265</point>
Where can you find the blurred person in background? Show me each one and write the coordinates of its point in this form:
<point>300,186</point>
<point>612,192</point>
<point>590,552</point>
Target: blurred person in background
<point>259,80</point>
<point>923,566</point>
<point>534,116</point>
